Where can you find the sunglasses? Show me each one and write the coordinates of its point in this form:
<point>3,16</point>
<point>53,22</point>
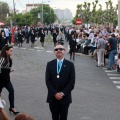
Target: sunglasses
<point>59,49</point>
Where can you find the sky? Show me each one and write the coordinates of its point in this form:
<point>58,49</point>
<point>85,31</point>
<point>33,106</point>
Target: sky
<point>55,4</point>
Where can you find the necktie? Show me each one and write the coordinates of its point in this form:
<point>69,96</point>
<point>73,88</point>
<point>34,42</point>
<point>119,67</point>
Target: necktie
<point>59,66</point>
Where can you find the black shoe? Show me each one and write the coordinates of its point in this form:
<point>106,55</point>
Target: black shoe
<point>108,69</point>
<point>11,110</point>
<point>74,59</point>
<point>97,66</point>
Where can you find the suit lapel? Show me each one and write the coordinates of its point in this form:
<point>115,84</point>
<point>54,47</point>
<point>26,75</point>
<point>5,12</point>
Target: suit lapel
<point>55,66</point>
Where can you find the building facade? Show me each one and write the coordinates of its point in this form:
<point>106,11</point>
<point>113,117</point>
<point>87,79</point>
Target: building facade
<point>63,15</point>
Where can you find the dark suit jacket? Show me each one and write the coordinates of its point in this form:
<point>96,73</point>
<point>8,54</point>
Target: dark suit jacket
<point>63,84</point>
<point>42,37</point>
<point>54,37</point>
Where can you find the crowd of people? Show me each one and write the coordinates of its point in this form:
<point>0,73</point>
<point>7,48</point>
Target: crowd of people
<point>20,34</point>
<point>100,42</point>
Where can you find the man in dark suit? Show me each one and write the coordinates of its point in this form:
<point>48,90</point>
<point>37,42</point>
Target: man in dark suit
<point>54,37</point>
<point>60,80</point>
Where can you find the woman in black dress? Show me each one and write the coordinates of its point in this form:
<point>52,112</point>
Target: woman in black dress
<point>2,40</point>
<point>20,38</point>
<point>54,37</point>
<point>32,35</point>
<point>72,43</point>
<point>5,69</point>
<point>42,37</point>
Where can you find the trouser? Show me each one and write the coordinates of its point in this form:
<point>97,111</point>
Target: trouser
<point>93,49</point>
<point>32,44</point>
<point>100,54</point>
<point>7,40</point>
<point>10,40</point>
<point>72,54</point>
<point>59,111</point>
<point>27,41</point>
<point>86,49</point>
<point>10,89</point>
<point>42,43</point>
<point>112,58</point>
<point>78,47</point>
<point>20,44</point>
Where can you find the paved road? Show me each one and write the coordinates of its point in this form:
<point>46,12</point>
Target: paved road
<point>95,96</point>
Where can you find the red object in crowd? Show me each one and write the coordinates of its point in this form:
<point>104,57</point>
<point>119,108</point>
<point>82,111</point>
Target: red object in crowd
<point>12,34</point>
<point>78,21</point>
<point>1,23</point>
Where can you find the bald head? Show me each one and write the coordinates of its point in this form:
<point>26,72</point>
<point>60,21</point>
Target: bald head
<point>59,46</point>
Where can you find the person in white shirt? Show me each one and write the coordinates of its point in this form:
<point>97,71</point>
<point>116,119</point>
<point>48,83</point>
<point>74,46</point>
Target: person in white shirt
<point>7,35</point>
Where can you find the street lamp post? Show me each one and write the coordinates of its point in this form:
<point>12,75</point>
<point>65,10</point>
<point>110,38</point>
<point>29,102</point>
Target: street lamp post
<point>50,15</point>
<point>1,11</point>
<point>118,14</point>
<point>14,12</point>
<point>42,12</point>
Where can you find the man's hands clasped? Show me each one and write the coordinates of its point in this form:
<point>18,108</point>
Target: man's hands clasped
<point>59,96</point>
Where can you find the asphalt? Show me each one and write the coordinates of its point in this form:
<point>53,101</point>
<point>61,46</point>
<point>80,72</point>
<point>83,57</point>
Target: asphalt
<point>95,97</point>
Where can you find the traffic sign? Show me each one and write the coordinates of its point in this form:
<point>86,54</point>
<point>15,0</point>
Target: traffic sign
<point>11,22</point>
<point>39,15</point>
<point>78,21</point>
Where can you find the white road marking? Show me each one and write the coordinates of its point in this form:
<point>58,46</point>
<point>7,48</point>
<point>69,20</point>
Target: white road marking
<point>116,78</point>
<point>23,48</point>
<point>113,74</point>
<point>15,47</point>
<point>116,82</point>
<point>118,87</point>
<point>108,71</point>
<point>105,68</point>
<point>31,49</point>
<point>39,47</point>
<point>39,50</point>
<point>50,51</point>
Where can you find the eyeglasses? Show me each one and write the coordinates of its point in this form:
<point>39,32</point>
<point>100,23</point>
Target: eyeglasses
<point>59,49</point>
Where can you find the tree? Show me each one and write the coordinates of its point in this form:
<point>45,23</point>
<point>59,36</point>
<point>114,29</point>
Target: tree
<point>32,16</point>
<point>21,19</point>
<point>4,10</point>
<point>48,14</point>
<point>97,16</point>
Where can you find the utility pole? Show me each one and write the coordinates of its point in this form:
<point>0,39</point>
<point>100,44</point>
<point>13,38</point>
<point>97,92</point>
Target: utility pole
<point>42,12</point>
<point>118,14</point>
<point>50,15</point>
<point>14,12</point>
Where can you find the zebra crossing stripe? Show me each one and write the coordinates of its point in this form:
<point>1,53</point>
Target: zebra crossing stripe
<point>116,78</point>
<point>108,71</point>
<point>50,51</point>
<point>116,82</point>
<point>23,48</point>
<point>39,47</point>
<point>15,47</point>
<point>39,50</point>
<point>31,49</point>
<point>118,87</point>
<point>105,68</point>
<point>113,74</point>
